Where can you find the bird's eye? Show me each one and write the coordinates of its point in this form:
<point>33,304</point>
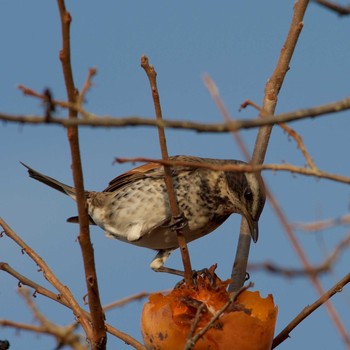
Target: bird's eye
<point>248,195</point>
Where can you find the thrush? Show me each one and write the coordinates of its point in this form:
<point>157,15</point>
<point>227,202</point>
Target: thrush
<point>134,208</point>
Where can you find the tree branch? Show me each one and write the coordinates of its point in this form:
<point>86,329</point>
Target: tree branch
<point>63,301</point>
<point>97,332</point>
<point>323,224</point>
<point>174,207</point>
<point>330,5</point>
<point>283,220</point>
<point>337,288</point>
<point>66,297</point>
<point>193,338</point>
<point>272,89</point>
<point>93,120</point>
<point>246,168</point>
<point>310,271</point>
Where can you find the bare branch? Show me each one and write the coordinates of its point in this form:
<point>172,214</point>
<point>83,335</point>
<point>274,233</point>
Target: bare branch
<point>86,87</point>
<point>310,271</point>
<point>270,101</point>
<point>337,288</point>
<point>214,93</point>
<point>129,299</point>
<point>37,287</point>
<point>93,120</point>
<point>330,5</point>
<point>292,133</point>
<point>96,332</point>
<point>49,275</point>
<point>247,168</point>
<point>307,265</point>
<point>65,335</point>
<point>323,224</point>
<point>272,89</point>
<point>62,300</point>
<point>174,207</point>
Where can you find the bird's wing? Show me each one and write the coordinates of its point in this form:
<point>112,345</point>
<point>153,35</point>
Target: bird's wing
<point>149,170</point>
<point>141,172</point>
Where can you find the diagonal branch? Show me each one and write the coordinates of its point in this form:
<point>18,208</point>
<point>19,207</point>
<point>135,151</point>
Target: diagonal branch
<point>284,334</point>
<point>65,297</point>
<point>151,74</point>
<point>38,289</point>
<point>272,89</point>
<point>293,239</point>
<point>193,338</point>
<point>337,8</point>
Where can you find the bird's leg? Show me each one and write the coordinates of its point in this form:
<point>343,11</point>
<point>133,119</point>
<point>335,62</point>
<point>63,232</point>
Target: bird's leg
<point>159,260</point>
<point>162,256</point>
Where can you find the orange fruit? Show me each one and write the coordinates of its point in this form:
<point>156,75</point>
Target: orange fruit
<point>247,324</point>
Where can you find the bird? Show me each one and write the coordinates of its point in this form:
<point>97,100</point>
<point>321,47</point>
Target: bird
<point>134,208</point>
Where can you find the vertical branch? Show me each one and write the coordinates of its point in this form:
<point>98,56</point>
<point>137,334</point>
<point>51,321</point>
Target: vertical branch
<point>98,336</point>
<point>272,89</point>
<point>151,74</point>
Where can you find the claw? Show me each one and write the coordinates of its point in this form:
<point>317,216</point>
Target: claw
<point>210,275</point>
<point>177,222</point>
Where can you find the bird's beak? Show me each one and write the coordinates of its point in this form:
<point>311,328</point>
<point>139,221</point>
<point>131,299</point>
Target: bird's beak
<point>253,227</point>
<point>254,230</point>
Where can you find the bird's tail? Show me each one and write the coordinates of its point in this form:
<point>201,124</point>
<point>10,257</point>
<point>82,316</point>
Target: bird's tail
<point>59,186</point>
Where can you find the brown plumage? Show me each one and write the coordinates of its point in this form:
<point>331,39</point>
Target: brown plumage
<point>134,207</point>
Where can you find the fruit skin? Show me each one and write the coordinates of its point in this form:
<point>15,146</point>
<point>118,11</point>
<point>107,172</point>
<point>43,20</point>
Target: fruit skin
<point>248,324</point>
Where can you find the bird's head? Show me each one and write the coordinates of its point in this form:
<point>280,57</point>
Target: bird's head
<point>248,197</point>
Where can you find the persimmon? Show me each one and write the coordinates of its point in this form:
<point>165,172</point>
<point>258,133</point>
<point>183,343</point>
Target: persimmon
<point>247,324</point>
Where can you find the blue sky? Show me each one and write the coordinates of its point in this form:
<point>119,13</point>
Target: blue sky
<point>237,44</point>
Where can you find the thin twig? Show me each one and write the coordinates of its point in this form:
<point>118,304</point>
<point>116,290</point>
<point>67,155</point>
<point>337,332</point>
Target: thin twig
<point>330,5</point>
<point>65,335</point>
<point>298,139</point>
<point>291,132</point>
<point>174,207</point>
<point>327,264</point>
<point>337,288</point>
<point>49,275</point>
<point>191,341</point>
<point>307,265</point>
<point>129,299</point>
<point>247,168</point>
<point>38,289</point>
<point>323,224</point>
<point>214,93</point>
<point>86,87</point>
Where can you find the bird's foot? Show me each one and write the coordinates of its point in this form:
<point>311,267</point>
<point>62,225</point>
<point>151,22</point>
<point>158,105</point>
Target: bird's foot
<point>177,222</point>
